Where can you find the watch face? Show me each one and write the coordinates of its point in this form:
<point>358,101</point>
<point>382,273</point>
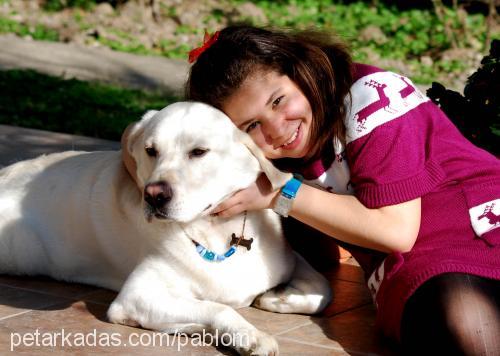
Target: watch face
<point>291,187</point>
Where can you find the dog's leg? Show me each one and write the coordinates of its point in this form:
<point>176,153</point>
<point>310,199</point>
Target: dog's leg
<point>146,300</point>
<point>308,292</point>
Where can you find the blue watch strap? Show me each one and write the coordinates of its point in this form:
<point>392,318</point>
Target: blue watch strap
<point>291,187</point>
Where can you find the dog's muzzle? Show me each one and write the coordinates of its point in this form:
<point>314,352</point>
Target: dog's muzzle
<point>158,195</point>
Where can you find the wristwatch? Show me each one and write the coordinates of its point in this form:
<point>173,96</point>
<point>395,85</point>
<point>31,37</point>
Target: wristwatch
<point>284,202</point>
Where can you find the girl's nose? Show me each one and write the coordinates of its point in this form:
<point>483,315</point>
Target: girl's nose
<point>274,126</point>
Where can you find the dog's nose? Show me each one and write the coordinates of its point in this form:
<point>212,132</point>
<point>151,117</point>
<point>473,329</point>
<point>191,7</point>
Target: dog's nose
<point>158,194</point>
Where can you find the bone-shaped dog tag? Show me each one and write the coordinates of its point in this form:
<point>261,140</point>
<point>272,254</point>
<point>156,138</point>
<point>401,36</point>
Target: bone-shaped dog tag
<point>241,241</point>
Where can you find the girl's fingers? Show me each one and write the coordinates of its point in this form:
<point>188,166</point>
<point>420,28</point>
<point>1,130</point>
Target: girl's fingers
<point>227,204</point>
<point>232,211</point>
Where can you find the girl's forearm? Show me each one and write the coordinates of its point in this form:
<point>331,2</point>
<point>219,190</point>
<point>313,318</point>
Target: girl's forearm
<point>387,229</point>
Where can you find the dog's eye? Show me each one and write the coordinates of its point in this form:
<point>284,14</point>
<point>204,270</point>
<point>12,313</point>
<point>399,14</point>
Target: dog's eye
<point>198,152</point>
<point>151,151</point>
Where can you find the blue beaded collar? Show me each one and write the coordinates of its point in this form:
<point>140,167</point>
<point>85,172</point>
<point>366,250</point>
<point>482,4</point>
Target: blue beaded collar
<point>235,242</point>
<point>213,256</point>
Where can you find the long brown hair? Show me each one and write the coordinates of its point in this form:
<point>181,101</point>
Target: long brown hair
<point>317,62</point>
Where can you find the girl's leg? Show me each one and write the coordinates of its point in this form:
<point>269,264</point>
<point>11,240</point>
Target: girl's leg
<point>453,314</point>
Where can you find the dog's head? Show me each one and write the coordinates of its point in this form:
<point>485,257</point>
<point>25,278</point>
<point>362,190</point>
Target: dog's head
<point>189,157</point>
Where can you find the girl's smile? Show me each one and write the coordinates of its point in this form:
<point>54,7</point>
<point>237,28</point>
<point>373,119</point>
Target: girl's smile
<point>294,141</point>
<point>274,111</point>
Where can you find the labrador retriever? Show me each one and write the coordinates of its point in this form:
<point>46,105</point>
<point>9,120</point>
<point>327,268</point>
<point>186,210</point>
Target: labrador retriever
<point>80,216</point>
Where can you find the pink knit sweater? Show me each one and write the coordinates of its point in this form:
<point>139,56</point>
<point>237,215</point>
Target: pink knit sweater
<point>400,146</point>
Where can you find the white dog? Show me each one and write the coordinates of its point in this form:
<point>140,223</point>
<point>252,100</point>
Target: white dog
<point>79,216</point>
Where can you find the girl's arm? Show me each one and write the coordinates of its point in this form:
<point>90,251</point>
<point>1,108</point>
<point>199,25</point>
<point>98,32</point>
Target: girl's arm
<point>387,229</point>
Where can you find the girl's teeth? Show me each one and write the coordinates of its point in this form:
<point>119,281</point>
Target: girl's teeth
<point>292,138</point>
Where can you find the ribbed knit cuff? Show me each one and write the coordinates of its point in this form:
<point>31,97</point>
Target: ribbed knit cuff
<point>376,196</point>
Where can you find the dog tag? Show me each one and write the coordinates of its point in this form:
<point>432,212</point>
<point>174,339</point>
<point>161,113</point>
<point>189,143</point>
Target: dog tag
<point>241,241</point>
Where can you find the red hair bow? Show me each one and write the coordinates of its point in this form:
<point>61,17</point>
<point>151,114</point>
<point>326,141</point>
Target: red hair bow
<point>208,40</point>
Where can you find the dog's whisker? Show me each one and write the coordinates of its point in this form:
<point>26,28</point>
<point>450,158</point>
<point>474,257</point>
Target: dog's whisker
<point>160,215</point>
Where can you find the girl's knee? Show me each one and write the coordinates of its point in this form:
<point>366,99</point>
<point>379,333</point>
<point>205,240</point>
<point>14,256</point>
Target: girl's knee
<point>454,313</point>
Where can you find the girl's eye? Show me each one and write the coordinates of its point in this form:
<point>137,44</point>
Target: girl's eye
<point>252,126</point>
<point>151,151</point>
<point>277,101</point>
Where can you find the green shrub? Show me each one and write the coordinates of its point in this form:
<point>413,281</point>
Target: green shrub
<point>58,5</point>
<point>477,112</point>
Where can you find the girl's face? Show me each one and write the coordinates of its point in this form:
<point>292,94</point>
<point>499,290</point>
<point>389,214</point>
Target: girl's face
<point>274,112</point>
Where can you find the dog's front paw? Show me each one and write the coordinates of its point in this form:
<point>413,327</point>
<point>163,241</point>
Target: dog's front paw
<point>287,299</point>
<point>260,344</point>
<point>116,314</point>
<point>278,300</point>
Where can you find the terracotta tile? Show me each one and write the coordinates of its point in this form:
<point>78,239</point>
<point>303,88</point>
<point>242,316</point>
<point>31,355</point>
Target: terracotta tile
<point>89,319</point>
<point>273,323</point>
<point>47,286</point>
<point>85,317</point>
<point>14,301</point>
<point>346,272</point>
<point>88,315</point>
<point>100,296</point>
<point>347,296</point>
<point>354,331</point>
<point>292,347</point>
<point>349,261</point>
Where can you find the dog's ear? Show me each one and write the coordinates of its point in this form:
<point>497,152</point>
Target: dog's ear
<point>128,139</point>
<point>275,176</point>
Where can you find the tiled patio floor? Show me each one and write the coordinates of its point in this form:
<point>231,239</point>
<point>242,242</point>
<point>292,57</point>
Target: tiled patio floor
<point>40,310</point>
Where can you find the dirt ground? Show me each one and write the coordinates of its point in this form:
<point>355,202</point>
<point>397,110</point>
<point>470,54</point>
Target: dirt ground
<point>137,23</point>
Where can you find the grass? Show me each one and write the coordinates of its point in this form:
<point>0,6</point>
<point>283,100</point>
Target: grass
<point>37,32</point>
<point>403,35</point>
<point>34,100</point>
<point>30,99</point>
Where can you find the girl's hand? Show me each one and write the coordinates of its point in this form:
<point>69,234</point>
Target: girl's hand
<point>257,196</point>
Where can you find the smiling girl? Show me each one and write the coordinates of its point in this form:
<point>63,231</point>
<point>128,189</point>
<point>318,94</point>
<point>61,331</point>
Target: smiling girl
<point>385,173</point>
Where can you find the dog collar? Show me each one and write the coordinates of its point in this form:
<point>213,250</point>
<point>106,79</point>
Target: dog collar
<point>212,256</point>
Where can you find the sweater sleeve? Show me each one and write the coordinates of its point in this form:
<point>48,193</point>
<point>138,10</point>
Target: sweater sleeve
<point>389,141</point>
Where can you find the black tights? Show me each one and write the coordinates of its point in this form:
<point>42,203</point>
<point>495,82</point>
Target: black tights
<point>453,314</point>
